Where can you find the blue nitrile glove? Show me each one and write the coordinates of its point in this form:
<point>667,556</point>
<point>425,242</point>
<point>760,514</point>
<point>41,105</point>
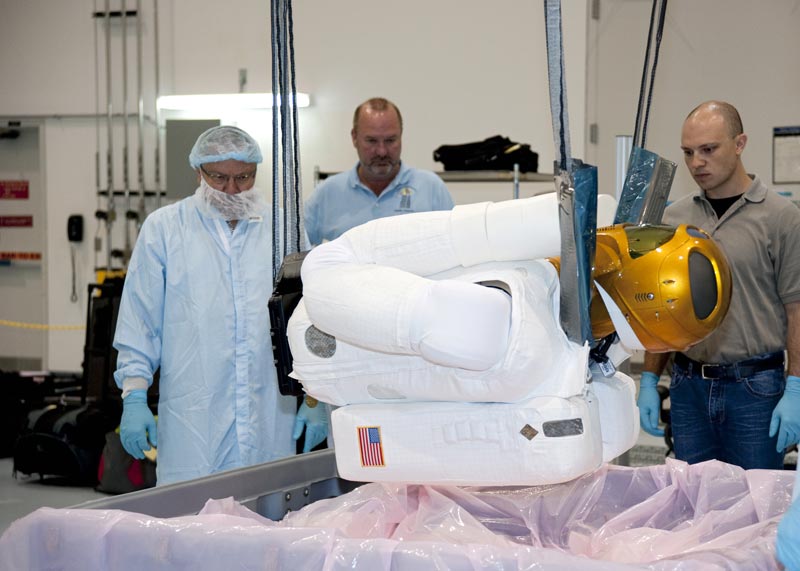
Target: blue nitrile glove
<point>137,423</point>
<point>788,541</point>
<point>786,415</point>
<point>649,403</point>
<point>315,421</point>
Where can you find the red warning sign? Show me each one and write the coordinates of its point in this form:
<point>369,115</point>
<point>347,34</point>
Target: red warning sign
<point>20,256</point>
<point>14,189</point>
<point>16,221</point>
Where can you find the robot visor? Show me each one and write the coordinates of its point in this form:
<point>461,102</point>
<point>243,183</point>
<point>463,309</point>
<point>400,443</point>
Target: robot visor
<point>703,285</point>
<point>646,238</point>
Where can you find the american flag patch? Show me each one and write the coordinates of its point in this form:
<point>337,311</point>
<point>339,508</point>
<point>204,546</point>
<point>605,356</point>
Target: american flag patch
<point>370,446</point>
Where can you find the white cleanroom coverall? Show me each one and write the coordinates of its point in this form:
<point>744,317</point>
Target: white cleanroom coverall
<point>195,305</point>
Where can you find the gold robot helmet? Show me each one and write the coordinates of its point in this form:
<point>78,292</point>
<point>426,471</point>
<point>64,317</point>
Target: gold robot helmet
<point>664,288</point>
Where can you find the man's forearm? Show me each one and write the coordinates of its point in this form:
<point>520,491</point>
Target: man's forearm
<point>655,362</point>
<point>793,338</point>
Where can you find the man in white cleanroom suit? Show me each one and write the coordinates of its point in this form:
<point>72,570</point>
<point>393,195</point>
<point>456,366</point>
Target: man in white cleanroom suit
<point>194,307</point>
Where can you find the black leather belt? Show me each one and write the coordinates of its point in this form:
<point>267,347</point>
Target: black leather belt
<point>737,370</point>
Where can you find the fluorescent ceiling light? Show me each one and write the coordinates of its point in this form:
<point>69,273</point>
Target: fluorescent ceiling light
<point>225,100</point>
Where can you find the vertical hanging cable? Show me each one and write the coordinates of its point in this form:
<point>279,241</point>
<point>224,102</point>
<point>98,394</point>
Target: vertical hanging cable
<point>659,34</point>
<point>297,240</point>
<point>286,191</point>
<point>126,180</point>
<point>643,86</point>
<point>648,179</point>
<point>286,126</point>
<point>111,210</point>
<point>640,127</point>
<point>140,211</point>
<point>156,95</point>
<point>274,13</point>
<point>97,169</point>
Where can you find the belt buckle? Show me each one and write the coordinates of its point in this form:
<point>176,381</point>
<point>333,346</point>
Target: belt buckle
<point>703,371</point>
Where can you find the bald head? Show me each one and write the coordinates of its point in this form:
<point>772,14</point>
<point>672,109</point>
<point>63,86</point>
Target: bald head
<point>712,141</point>
<point>726,112</point>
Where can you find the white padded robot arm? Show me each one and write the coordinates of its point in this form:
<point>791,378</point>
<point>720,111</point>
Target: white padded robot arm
<point>427,243</point>
<point>431,242</point>
<point>448,322</point>
<point>368,287</point>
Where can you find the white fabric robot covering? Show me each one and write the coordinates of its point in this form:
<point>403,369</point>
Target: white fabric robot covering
<point>520,352</point>
<point>441,379</point>
<point>540,440</point>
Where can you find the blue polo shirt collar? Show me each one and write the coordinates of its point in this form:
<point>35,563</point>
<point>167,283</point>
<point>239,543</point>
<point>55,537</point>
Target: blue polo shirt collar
<point>400,180</point>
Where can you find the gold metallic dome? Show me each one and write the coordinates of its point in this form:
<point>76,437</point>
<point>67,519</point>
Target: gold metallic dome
<point>672,284</point>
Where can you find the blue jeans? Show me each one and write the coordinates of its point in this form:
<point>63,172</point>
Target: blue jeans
<point>725,419</point>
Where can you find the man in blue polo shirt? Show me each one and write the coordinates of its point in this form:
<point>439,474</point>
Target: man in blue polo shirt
<point>379,185</point>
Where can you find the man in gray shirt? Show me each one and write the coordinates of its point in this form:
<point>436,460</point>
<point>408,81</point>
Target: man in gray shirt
<point>730,398</point>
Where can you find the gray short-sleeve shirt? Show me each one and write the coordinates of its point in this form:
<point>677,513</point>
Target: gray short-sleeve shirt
<point>760,235</point>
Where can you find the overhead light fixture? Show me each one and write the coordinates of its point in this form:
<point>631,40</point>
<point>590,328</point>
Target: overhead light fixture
<point>225,101</point>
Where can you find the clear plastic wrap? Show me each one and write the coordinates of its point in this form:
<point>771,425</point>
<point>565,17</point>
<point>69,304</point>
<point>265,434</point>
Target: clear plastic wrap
<point>709,516</point>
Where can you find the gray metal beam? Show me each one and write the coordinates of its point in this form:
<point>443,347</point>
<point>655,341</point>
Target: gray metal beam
<point>271,489</point>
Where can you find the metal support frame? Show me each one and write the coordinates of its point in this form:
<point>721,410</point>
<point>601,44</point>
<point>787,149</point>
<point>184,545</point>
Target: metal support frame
<point>271,489</point>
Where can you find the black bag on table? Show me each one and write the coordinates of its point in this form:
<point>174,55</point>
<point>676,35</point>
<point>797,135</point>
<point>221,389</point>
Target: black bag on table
<point>494,153</point>
<point>67,438</point>
<point>64,440</point>
<point>20,395</point>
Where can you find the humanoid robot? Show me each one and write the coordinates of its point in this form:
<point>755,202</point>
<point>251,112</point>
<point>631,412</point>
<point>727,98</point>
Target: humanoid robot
<point>437,336</point>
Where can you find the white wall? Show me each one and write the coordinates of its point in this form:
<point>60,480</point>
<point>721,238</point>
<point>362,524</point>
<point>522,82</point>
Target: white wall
<point>22,288</point>
<point>459,70</point>
<point>70,181</point>
<point>740,51</point>
<point>47,57</point>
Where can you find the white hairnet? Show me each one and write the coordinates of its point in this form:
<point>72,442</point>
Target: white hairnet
<point>223,143</point>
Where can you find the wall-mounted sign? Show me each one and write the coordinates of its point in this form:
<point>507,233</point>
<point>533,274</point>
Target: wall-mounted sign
<point>16,221</point>
<point>14,189</point>
<point>20,256</point>
<point>785,155</point>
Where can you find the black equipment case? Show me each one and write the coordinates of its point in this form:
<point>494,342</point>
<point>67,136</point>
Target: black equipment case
<point>65,435</point>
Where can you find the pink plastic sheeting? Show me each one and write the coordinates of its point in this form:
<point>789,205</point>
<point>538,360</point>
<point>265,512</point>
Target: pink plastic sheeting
<point>709,516</point>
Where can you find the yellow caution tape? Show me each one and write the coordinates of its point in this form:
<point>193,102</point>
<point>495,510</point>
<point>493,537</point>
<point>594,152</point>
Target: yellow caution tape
<point>23,325</point>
